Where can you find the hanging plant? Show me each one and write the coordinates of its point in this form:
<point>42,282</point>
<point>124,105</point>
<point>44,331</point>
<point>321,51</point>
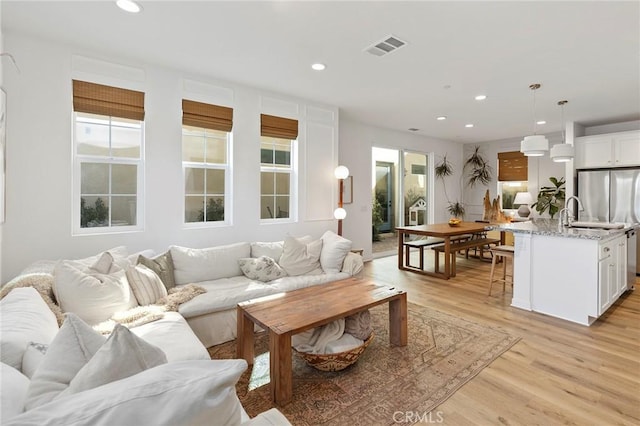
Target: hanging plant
<point>480,170</point>
<point>444,168</point>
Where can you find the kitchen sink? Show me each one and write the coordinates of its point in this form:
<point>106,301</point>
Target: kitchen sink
<point>597,225</point>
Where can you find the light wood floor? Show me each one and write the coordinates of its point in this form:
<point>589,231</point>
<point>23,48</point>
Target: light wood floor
<point>559,373</point>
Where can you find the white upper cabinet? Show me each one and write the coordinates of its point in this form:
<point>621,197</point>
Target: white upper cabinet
<point>609,150</point>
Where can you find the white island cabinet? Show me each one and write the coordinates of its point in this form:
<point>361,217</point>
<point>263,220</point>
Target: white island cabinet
<point>573,274</point>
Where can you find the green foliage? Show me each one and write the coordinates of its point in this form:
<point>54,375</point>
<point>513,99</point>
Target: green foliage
<point>98,215</point>
<point>551,197</point>
<point>480,170</point>
<point>456,209</point>
<point>215,210</point>
<point>376,217</point>
<point>444,168</point>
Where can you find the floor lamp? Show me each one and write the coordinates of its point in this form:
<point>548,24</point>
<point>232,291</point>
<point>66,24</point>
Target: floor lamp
<point>341,174</point>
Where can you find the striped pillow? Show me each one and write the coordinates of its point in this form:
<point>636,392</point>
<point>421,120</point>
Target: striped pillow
<point>146,284</point>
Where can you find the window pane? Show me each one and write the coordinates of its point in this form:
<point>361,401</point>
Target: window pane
<point>267,183</point>
<point>92,138</point>
<point>215,209</point>
<point>215,181</point>
<point>193,209</point>
<point>266,156</point>
<point>266,207</point>
<point>94,212</point>
<point>282,183</point>
<point>194,181</point>
<point>216,147</point>
<point>282,207</point>
<point>193,148</point>
<point>125,142</point>
<point>124,179</point>
<point>94,178</point>
<point>123,211</point>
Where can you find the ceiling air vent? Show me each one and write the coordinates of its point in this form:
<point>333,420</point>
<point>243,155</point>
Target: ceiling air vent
<point>386,45</point>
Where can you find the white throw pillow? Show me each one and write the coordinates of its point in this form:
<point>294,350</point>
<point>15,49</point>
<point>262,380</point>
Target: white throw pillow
<point>119,255</point>
<point>122,355</point>
<point>262,269</point>
<point>32,358</point>
<point>25,317</point>
<point>146,284</point>
<point>334,249</point>
<point>180,393</point>
<point>103,264</point>
<point>94,297</point>
<point>13,392</point>
<point>70,350</point>
<point>299,258</point>
<point>270,249</point>
<point>192,265</point>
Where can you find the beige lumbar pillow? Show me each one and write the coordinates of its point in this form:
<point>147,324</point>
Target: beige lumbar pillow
<point>299,258</point>
<point>146,285</point>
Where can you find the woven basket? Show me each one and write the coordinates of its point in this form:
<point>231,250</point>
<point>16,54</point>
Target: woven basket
<point>335,362</point>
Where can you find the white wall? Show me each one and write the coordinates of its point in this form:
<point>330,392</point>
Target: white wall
<point>1,85</point>
<point>39,158</point>
<point>356,143</point>
<point>540,170</point>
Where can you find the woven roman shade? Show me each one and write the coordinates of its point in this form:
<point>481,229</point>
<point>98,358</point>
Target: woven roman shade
<point>278,127</point>
<point>107,100</point>
<point>209,116</point>
<point>513,166</point>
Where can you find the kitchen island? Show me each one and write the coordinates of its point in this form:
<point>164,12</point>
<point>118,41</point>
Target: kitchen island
<point>569,273</point>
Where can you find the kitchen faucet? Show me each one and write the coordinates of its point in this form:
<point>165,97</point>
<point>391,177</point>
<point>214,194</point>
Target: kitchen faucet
<point>564,213</point>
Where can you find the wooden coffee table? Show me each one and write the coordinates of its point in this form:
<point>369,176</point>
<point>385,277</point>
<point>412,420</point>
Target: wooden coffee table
<point>286,314</point>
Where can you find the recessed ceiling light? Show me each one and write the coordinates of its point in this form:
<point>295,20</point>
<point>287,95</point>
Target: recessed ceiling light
<point>468,125</point>
<point>413,129</point>
<point>318,67</point>
<point>541,122</point>
<point>129,6</point>
<point>442,117</point>
<point>481,97</point>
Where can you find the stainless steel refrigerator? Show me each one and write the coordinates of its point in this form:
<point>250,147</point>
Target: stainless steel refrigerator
<point>612,195</point>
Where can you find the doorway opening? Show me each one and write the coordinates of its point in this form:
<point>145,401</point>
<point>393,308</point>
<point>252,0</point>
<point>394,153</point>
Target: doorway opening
<point>402,194</point>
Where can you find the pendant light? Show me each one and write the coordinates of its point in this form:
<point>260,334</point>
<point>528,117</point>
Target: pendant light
<point>562,152</point>
<point>534,145</point>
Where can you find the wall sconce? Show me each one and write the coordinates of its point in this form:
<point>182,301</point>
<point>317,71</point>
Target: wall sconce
<point>341,173</point>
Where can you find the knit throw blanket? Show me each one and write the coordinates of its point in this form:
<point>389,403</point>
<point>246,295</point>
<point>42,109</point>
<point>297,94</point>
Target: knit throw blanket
<point>140,315</point>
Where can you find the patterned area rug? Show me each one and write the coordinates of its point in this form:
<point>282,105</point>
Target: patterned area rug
<point>444,353</point>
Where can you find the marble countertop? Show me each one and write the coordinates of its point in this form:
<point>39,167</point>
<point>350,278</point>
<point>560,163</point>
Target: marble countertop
<point>549,227</point>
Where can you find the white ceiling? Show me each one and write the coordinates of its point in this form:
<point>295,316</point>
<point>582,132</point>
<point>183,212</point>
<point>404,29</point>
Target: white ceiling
<point>585,52</point>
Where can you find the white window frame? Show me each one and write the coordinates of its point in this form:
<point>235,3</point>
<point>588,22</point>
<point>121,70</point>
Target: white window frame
<point>292,170</point>
<point>79,159</point>
<point>228,214</point>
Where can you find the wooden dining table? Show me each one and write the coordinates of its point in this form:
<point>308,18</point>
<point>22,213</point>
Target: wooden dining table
<point>441,230</point>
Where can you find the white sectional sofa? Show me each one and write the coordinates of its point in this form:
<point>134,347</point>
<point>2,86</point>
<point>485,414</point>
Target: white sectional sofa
<point>212,315</point>
<point>205,320</point>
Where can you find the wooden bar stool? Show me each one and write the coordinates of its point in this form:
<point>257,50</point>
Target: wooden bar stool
<point>505,252</point>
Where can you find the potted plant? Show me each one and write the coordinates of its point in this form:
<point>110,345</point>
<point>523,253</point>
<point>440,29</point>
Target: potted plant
<point>456,210</point>
<point>376,218</point>
<point>551,197</point>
